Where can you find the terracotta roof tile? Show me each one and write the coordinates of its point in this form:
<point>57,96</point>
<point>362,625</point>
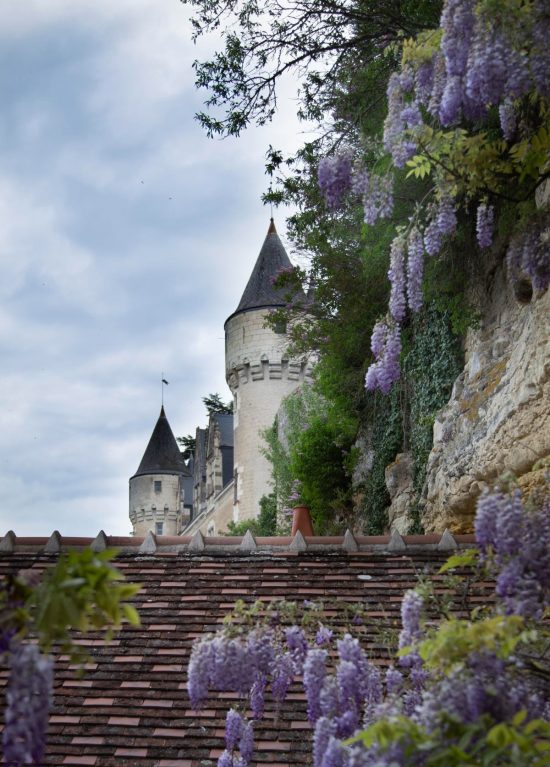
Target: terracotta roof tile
<point>131,708</point>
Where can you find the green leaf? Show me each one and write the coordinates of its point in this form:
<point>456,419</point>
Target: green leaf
<point>467,558</point>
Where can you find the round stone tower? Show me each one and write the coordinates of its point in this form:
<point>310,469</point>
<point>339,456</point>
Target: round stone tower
<point>259,374</point>
<point>157,487</point>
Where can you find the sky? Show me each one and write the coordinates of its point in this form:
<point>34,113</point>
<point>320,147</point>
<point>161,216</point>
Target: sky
<point>126,240</point>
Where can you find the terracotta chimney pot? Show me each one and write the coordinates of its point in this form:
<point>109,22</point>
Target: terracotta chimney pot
<point>301,520</point>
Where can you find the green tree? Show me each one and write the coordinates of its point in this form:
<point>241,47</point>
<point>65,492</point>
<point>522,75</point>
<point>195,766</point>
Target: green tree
<point>264,525</point>
<point>215,404</point>
<point>322,42</point>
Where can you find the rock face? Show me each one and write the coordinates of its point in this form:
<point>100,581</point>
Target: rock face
<point>399,481</point>
<point>498,417</point>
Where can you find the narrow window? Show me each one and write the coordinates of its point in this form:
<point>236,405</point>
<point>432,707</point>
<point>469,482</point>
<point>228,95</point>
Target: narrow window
<point>158,528</point>
<point>280,327</point>
<point>158,485</point>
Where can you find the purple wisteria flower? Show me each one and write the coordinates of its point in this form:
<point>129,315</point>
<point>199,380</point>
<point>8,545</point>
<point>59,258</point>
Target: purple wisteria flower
<point>334,177</point>
<point>439,81</point>
<point>424,82</point>
<point>335,754</point>
<point>457,22</point>
<point>432,238</point>
<point>282,676</point>
<point>233,729</point>
<point>246,743</point>
<point>508,119</point>
<point>528,255</point>
<point>257,696</point>
<point>394,680</point>
<point>396,274</point>
<point>261,650</point>
<point>383,373</point>
<point>325,729</point>
<point>198,673</point>
<point>378,339</point>
<point>397,141</point>
<point>323,636</point>
<point>225,759</point>
<point>484,225</point>
<point>540,56</point>
<point>314,675</point>
<point>411,609</point>
<point>28,701</point>
<point>297,644</point>
<point>378,198</point>
<point>516,544</point>
<point>446,216</point>
<point>450,109</point>
<point>415,269</point>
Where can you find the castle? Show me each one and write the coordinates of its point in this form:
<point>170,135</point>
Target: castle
<point>228,473</point>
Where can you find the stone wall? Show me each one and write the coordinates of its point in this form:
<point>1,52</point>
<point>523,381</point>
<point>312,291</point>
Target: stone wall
<point>149,507</point>
<point>498,416</point>
<point>215,519</point>
<point>259,375</point>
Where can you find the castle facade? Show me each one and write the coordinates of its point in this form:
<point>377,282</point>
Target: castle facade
<point>229,472</point>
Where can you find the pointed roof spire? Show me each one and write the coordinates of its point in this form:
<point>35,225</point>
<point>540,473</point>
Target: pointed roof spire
<point>260,292</point>
<point>162,455</point>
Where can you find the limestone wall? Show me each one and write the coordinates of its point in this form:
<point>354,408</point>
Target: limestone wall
<point>214,521</point>
<point>498,417</point>
<point>259,375</point>
<point>148,506</point>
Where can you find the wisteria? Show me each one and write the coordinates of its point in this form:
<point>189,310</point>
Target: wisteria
<point>482,63</point>
<point>377,198</point>
<point>396,274</point>
<point>484,225</point>
<point>508,119</point>
<point>415,270</point>
<point>528,255</point>
<point>347,693</point>
<point>397,137</point>
<point>28,700</point>
<point>385,371</point>
<point>517,544</point>
<point>334,177</point>
<point>446,216</point>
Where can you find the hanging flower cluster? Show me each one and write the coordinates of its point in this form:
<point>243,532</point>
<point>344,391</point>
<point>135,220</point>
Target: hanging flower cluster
<point>28,702</point>
<point>528,255</point>
<point>482,62</point>
<point>483,680</point>
<point>337,175</point>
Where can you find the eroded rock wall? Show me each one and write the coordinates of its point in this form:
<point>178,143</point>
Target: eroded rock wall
<point>498,416</point>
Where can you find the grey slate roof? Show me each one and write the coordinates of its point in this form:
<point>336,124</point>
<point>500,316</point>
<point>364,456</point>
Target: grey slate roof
<point>225,425</point>
<point>260,291</point>
<point>162,454</point>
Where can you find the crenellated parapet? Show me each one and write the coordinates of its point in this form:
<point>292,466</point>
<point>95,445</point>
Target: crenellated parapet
<point>295,371</point>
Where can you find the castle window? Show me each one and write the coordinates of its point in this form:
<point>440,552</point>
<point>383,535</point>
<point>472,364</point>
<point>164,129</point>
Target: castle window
<point>280,327</point>
<point>158,485</point>
<point>158,528</point>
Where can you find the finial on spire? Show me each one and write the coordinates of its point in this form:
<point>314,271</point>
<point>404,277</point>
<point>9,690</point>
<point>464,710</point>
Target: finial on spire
<point>271,229</point>
<point>163,382</point>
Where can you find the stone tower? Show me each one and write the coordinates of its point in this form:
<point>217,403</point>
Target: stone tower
<point>157,489</point>
<point>259,374</point>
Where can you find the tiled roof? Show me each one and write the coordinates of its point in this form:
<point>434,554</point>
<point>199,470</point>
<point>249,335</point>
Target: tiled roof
<point>131,705</point>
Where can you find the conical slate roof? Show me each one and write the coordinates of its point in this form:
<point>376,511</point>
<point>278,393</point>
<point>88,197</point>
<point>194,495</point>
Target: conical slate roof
<point>162,455</point>
<point>260,291</point>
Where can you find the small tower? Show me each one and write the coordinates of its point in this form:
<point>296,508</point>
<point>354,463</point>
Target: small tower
<point>259,374</point>
<point>157,488</point>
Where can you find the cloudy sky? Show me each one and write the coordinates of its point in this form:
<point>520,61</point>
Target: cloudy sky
<point>126,239</point>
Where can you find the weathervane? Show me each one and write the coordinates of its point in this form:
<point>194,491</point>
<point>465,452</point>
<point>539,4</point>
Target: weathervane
<point>163,381</point>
